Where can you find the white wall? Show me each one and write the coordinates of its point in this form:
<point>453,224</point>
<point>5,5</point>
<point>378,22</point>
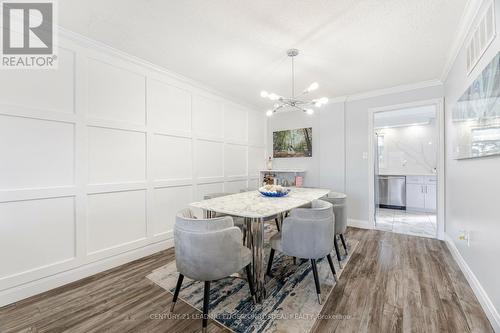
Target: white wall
<point>99,155</point>
<point>408,150</point>
<point>340,144</point>
<point>326,166</point>
<point>472,190</point>
<point>357,143</point>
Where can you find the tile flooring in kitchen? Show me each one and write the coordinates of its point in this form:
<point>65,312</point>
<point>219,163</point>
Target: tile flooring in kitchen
<point>407,222</point>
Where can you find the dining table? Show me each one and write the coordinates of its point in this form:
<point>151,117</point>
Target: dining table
<point>256,208</point>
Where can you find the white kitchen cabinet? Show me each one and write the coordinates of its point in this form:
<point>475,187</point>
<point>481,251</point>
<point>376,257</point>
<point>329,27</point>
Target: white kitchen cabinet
<point>421,193</point>
<point>430,198</point>
<point>415,197</point>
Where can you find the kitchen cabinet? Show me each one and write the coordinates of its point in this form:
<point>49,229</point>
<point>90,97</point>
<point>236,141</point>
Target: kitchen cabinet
<point>415,197</point>
<point>421,193</point>
<point>430,198</point>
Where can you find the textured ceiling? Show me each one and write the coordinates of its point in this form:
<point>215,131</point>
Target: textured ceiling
<point>238,47</point>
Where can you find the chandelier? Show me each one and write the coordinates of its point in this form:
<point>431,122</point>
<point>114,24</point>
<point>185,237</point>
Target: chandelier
<point>294,103</point>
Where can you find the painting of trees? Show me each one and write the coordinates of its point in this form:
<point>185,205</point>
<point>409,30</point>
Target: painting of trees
<point>292,143</point>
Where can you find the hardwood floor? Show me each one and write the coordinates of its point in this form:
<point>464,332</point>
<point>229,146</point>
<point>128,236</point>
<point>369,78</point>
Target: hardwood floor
<point>393,283</point>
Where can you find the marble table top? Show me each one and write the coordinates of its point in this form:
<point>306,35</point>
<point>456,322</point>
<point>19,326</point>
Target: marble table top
<point>252,204</point>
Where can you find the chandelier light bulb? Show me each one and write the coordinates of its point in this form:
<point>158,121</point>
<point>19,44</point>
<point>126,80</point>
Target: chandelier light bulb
<point>273,97</point>
<point>294,102</point>
<point>313,86</point>
<point>320,102</point>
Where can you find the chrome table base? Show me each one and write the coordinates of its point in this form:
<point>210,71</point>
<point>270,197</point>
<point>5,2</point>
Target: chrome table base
<point>255,242</point>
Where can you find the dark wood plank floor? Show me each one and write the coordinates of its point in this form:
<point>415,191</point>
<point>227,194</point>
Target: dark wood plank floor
<point>393,283</point>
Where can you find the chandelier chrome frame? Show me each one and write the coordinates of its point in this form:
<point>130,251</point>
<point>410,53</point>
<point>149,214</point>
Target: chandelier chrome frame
<point>294,103</point>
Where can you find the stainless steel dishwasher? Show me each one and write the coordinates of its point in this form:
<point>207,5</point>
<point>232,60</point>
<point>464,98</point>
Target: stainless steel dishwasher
<point>392,192</point>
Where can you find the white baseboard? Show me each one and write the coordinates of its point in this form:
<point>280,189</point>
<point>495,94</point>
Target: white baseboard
<point>32,288</point>
<point>482,296</point>
<point>359,224</point>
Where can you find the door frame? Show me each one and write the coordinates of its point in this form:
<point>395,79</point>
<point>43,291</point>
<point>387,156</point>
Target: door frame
<point>440,124</point>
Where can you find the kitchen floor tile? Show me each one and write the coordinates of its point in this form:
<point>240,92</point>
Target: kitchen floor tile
<point>406,222</point>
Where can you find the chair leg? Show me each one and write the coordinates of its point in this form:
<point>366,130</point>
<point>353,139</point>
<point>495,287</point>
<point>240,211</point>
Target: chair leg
<point>206,300</point>
<point>250,283</point>
<point>332,267</point>
<point>337,251</point>
<point>270,263</point>
<point>277,224</point>
<point>316,279</point>
<point>176,293</point>
<point>244,236</point>
<point>343,243</point>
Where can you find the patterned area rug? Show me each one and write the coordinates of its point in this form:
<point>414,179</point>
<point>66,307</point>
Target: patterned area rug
<point>291,304</point>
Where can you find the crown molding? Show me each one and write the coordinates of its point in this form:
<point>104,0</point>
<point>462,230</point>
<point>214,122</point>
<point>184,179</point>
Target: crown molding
<point>335,100</point>
<point>92,43</point>
<point>466,21</point>
<point>386,91</point>
<point>396,89</point>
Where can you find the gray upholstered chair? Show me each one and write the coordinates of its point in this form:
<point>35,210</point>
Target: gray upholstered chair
<point>247,189</point>
<point>307,233</point>
<point>338,200</point>
<point>238,221</point>
<point>216,195</point>
<point>208,250</point>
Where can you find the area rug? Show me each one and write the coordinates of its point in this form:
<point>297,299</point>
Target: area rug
<point>291,304</point>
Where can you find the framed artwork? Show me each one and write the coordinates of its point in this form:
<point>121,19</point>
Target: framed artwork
<point>292,143</point>
<point>476,116</point>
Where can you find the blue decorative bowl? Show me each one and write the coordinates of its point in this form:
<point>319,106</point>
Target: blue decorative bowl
<point>275,194</point>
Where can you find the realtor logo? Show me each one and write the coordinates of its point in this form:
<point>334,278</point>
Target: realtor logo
<point>28,34</point>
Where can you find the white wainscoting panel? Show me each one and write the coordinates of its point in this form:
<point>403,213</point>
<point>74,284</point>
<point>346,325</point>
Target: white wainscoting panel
<point>56,96</point>
<point>256,160</point>
<point>208,117</point>
<point>235,186</point>
<point>172,157</point>
<point>257,128</point>
<point>166,203</point>
<point>169,107</point>
<point>253,184</point>
<point>35,153</point>
<point>116,155</point>
<point>116,93</point>
<point>235,124</point>
<point>235,157</point>
<point>204,189</point>
<point>209,159</point>
<point>36,233</point>
<point>115,219</point>
<point>98,156</point>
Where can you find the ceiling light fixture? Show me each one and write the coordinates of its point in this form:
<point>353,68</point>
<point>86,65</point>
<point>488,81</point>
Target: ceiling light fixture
<point>295,102</point>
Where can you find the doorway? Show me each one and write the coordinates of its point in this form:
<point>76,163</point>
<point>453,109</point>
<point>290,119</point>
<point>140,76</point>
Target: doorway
<point>406,168</point>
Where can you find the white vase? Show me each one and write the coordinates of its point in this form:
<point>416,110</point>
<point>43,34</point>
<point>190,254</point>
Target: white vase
<point>269,164</point>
